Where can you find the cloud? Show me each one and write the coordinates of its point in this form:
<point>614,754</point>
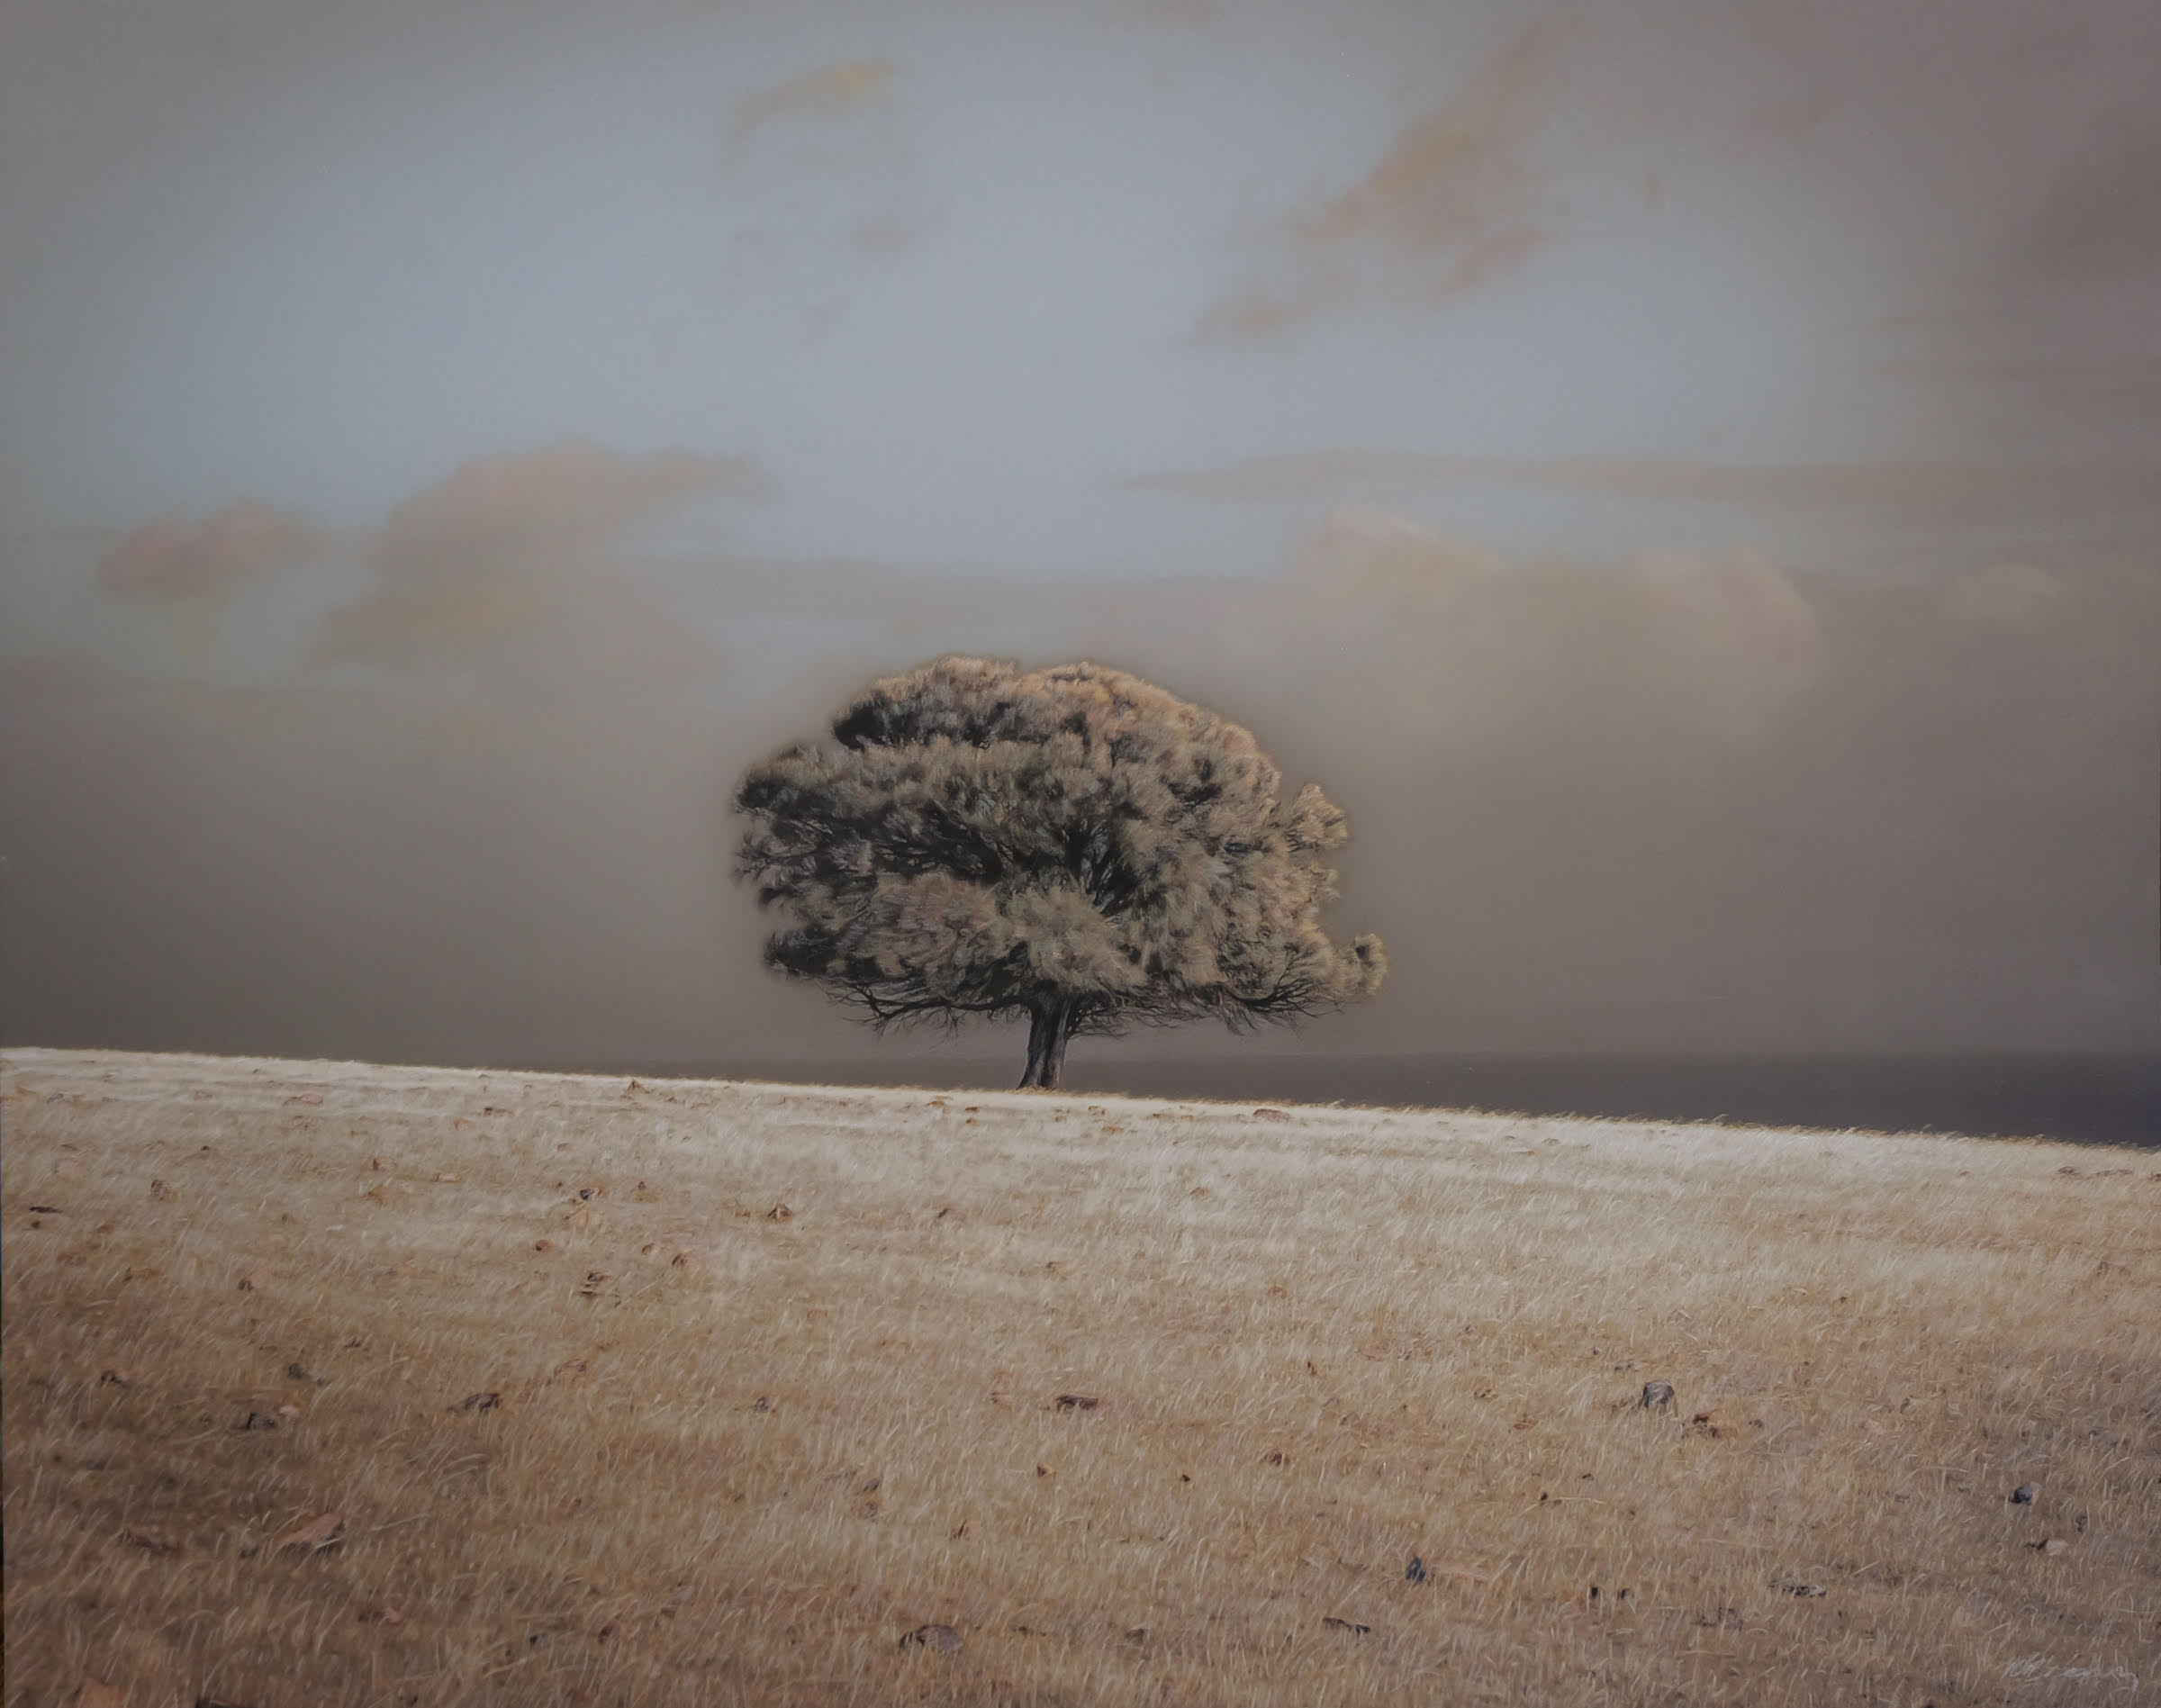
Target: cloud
<point>516,562</point>
<point>481,821</point>
<point>1666,650</point>
<point>1907,493</point>
<point>173,559</point>
<point>1365,557</point>
<point>1459,200</point>
<point>817,99</point>
<point>822,170</point>
<point>511,516</point>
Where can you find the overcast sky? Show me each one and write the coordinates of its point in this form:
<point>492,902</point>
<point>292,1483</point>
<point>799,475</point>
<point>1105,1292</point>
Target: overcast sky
<point>1685,477</point>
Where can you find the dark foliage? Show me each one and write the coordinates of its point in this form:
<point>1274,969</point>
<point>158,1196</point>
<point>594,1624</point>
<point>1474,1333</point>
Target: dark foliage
<point>1072,844</point>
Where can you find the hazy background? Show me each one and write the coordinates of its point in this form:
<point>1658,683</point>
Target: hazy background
<point>1685,478</point>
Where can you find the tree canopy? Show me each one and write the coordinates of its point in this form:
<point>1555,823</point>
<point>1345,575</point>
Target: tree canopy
<point>1074,844</point>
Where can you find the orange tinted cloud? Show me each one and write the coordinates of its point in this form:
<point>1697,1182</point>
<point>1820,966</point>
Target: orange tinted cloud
<point>518,556</point>
<point>831,91</point>
<point>509,516</point>
<point>1549,657</point>
<point>1458,201</point>
<point>173,558</point>
<point>822,173</point>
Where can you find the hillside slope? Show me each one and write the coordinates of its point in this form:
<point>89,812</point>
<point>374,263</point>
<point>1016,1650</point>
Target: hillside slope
<point>596,1391</point>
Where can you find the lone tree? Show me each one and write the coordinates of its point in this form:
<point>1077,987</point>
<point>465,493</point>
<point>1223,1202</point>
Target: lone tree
<point>1074,844</point>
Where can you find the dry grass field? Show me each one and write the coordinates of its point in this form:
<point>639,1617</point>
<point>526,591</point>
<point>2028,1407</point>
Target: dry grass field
<point>328,1383</point>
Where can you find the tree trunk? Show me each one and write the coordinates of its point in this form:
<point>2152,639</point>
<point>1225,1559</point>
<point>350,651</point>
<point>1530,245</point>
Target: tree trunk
<point>1054,1061</point>
<point>1050,1026</point>
<point>1035,1039</point>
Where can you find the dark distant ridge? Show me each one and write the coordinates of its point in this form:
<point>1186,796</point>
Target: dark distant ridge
<point>2078,1099</point>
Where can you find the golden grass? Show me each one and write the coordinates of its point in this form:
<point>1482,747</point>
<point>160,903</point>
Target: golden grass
<point>737,1454</point>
